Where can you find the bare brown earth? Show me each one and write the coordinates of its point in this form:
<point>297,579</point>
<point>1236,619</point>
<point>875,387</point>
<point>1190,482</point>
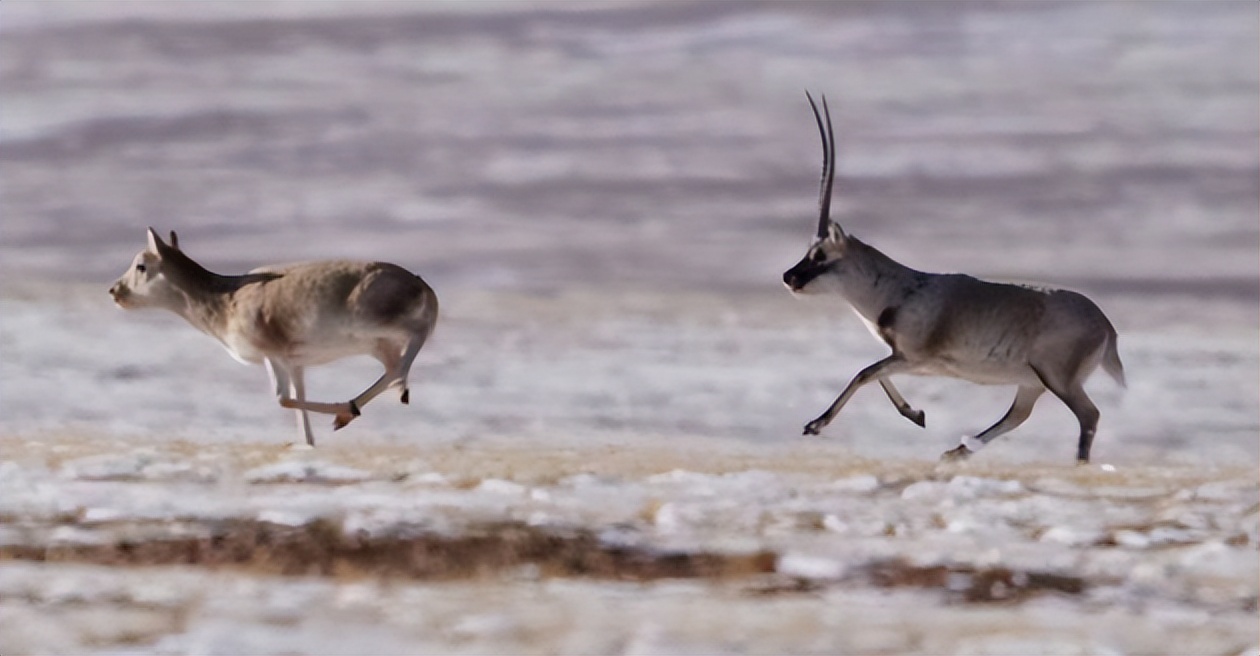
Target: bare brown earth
<point>487,552</point>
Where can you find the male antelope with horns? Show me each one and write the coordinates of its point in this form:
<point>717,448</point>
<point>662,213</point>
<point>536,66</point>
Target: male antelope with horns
<point>291,317</point>
<point>956,325</point>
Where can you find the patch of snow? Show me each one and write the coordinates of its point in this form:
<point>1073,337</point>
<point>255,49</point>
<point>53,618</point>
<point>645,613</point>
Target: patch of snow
<point>97,515</point>
<point>482,625</point>
<point>862,484</point>
<point>1220,490</point>
<point>1072,536</point>
<point>1218,559</point>
<point>585,480</point>
<point>305,472</point>
<point>1032,645</point>
<point>694,483</point>
<point>668,518</point>
<point>806,566</point>
<point>429,478</point>
<point>73,535</point>
<point>373,522</point>
<point>500,486</point>
<point>835,524</point>
<point>926,490</point>
<point>285,517</point>
<point>974,487</point>
<point>109,466</point>
<point>1167,535</point>
<point>1132,539</point>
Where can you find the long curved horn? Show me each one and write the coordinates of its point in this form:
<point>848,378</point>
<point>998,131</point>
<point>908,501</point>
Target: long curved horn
<point>829,164</point>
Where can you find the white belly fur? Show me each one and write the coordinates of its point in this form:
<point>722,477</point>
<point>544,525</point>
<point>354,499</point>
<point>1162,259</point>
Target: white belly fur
<point>303,354</point>
<point>241,350</point>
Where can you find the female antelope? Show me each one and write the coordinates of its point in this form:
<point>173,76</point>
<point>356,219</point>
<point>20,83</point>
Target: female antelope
<point>293,316</point>
<point>955,325</point>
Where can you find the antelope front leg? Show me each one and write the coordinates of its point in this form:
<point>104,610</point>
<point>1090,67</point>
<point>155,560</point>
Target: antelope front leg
<point>289,380</point>
<point>903,407</point>
<point>886,367</point>
<point>283,379</point>
<point>298,387</point>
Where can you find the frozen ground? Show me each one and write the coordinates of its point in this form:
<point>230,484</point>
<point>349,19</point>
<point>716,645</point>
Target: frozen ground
<point>645,547</point>
<point>602,453</point>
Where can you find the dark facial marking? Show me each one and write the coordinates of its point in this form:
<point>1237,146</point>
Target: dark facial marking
<point>801,274</point>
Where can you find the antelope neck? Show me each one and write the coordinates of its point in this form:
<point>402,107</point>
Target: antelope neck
<point>204,295</point>
<point>875,282</point>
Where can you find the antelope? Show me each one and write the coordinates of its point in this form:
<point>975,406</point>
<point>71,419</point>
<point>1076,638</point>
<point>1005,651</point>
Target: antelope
<point>955,325</point>
<point>290,317</point>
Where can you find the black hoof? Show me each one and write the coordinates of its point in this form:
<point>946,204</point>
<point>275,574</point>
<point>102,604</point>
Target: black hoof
<point>341,421</point>
<point>919,418</point>
<point>406,397</point>
<point>813,428</point>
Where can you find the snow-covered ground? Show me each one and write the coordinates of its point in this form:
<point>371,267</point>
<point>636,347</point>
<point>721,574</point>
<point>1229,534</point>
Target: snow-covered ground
<point>602,453</point>
<point>636,548</point>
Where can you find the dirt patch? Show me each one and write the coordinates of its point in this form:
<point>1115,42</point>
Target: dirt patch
<point>320,548</point>
<point>970,584</point>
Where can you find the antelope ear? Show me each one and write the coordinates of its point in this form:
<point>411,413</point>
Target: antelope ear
<point>157,246</point>
<point>835,233</point>
<point>155,242</point>
<point>174,240</point>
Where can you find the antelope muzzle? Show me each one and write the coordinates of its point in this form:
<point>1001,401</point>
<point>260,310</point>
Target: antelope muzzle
<point>801,275</point>
<point>119,292</point>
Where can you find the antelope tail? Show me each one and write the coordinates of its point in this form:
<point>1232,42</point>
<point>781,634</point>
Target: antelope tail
<point>1111,360</point>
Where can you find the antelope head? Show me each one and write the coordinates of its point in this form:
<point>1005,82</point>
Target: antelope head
<point>819,270</point>
<point>145,283</point>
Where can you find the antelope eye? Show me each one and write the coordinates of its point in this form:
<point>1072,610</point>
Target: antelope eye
<point>140,268</point>
<point>819,257</point>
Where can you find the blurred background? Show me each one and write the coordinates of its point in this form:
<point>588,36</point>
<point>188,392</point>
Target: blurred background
<point>604,196</point>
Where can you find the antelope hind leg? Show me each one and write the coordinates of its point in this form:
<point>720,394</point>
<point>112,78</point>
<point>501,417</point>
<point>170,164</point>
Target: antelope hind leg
<point>1074,397</point>
<point>347,409</point>
<point>1025,397</point>
<point>1087,414</point>
<point>397,362</point>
